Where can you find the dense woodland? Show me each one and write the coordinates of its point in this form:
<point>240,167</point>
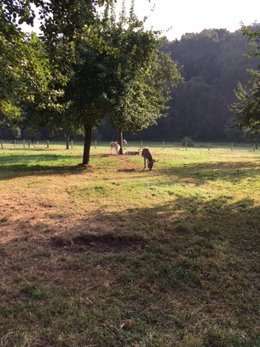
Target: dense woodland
<point>212,62</point>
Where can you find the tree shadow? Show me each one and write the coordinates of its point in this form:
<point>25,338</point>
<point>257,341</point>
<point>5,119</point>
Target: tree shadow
<point>12,166</point>
<point>182,218</point>
<point>228,171</point>
<point>194,258</point>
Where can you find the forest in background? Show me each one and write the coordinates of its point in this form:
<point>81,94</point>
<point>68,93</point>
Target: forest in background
<point>212,63</point>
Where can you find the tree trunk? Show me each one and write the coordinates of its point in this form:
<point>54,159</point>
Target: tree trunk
<point>120,140</point>
<point>67,142</point>
<point>87,144</point>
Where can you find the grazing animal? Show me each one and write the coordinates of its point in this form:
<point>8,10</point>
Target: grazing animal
<point>146,154</point>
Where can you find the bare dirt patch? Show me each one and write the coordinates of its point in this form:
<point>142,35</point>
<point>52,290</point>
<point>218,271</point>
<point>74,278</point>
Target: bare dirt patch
<point>127,170</point>
<point>99,243</point>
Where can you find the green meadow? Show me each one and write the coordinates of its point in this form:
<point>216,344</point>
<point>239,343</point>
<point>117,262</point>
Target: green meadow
<point>111,255</point>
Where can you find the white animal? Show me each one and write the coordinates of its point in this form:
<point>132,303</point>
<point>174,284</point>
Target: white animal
<point>115,145</point>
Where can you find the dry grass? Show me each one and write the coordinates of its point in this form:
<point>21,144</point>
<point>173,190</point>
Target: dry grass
<point>114,256</point>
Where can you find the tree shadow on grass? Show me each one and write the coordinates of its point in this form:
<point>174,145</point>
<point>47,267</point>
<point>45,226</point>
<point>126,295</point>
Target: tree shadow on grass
<point>228,171</point>
<point>203,252</point>
<point>12,166</point>
<point>188,216</point>
<point>181,220</point>
<point>190,264</point>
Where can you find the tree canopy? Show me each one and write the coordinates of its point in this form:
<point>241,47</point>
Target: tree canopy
<point>86,66</point>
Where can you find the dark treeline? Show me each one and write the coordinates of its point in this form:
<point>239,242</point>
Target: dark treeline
<point>212,63</point>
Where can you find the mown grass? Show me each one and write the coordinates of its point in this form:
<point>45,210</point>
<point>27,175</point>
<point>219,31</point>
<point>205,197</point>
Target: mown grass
<point>115,256</point>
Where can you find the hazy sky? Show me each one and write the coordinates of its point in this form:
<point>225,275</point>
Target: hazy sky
<point>177,17</point>
<point>195,15</point>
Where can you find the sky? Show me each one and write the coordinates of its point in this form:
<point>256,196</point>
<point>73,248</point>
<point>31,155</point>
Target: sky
<point>177,17</point>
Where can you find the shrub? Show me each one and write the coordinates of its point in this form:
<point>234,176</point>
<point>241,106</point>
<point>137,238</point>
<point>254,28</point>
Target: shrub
<point>187,141</point>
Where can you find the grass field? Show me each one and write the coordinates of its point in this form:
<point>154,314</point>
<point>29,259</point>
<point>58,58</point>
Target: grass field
<point>115,256</point>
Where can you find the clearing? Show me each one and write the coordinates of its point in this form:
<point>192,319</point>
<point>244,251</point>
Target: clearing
<point>115,256</point>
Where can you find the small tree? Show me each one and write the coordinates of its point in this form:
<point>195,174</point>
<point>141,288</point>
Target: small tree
<point>187,142</point>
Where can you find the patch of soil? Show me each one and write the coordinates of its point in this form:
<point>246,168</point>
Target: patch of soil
<point>127,170</point>
<point>99,243</point>
<point>103,155</point>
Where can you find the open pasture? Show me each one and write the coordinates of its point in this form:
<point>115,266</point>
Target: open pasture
<point>112,255</point>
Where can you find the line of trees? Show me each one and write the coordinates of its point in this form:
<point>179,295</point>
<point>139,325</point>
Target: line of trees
<point>92,71</point>
<point>212,63</point>
<point>86,67</point>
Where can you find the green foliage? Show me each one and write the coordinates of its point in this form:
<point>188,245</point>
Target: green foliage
<point>137,77</point>
<point>42,70</point>
<point>142,77</point>
<point>24,78</point>
<point>115,71</point>
<point>247,105</point>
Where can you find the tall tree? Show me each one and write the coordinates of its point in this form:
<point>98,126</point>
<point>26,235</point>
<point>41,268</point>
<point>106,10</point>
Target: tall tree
<point>63,24</point>
<point>142,77</point>
<point>117,73</point>
<point>86,92</point>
